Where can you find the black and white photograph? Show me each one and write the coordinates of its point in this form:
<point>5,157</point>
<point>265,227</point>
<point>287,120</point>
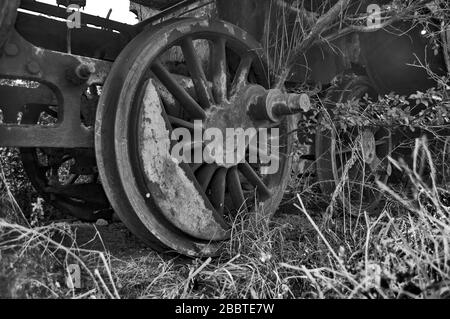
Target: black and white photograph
<point>225,157</point>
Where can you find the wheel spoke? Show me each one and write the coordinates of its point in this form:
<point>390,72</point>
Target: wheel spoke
<point>218,187</point>
<point>197,73</point>
<point>219,69</point>
<point>171,105</point>
<point>71,179</point>
<point>195,167</point>
<point>255,180</point>
<point>235,189</point>
<point>181,123</point>
<point>241,77</point>
<point>205,174</point>
<point>178,91</point>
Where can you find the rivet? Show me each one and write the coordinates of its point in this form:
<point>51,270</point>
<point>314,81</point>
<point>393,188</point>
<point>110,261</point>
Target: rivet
<point>33,67</point>
<point>11,49</point>
<point>80,74</point>
<point>84,71</point>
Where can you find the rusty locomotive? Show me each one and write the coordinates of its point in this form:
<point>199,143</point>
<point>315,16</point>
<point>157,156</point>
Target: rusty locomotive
<point>92,108</point>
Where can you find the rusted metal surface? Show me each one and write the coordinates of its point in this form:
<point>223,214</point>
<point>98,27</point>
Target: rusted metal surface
<point>157,4</point>
<point>166,203</point>
<point>262,19</point>
<point>269,20</point>
<point>8,12</point>
<point>170,10</point>
<point>361,154</point>
<point>158,197</point>
<point>15,99</point>
<point>250,15</point>
<point>274,104</point>
<point>394,72</point>
<point>170,186</point>
<point>65,178</point>
<point>50,69</point>
<point>66,3</point>
<point>167,77</point>
<point>87,19</point>
<point>86,41</point>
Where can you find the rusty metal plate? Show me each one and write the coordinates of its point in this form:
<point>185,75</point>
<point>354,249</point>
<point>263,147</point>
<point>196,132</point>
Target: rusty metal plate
<point>28,62</point>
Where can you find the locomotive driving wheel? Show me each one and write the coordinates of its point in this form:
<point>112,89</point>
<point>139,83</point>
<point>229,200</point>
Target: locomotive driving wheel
<point>359,152</point>
<point>176,205</point>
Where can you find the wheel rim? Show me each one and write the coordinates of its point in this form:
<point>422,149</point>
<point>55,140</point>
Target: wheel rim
<point>177,205</point>
<point>362,153</point>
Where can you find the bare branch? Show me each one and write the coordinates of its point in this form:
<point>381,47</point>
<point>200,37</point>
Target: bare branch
<point>317,29</point>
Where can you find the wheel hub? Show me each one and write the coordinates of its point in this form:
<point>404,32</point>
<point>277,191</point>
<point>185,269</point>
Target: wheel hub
<point>236,128</point>
<point>239,120</point>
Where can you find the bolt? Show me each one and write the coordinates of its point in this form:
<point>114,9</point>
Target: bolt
<point>11,49</point>
<point>274,104</point>
<point>33,67</point>
<point>80,74</point>
<point>292,104</point>
<point>297,102</point>
<point>84,71</point>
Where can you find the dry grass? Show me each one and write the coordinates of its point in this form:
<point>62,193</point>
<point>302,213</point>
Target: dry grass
<point>33,264</point>
<point>403,253</point>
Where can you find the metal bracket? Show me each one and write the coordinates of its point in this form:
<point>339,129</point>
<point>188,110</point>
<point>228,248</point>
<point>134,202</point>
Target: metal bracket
<point>54,70</point>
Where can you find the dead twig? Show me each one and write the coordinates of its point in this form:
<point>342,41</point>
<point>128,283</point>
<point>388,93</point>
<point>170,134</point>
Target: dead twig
<point>316,30</point>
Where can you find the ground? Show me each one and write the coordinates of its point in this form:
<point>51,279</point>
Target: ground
<point>312,248</point>
<point>298,254</point>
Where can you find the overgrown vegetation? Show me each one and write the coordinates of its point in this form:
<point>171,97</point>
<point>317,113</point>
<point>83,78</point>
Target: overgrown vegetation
<point>403,253</point>
<point>306,251</point>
